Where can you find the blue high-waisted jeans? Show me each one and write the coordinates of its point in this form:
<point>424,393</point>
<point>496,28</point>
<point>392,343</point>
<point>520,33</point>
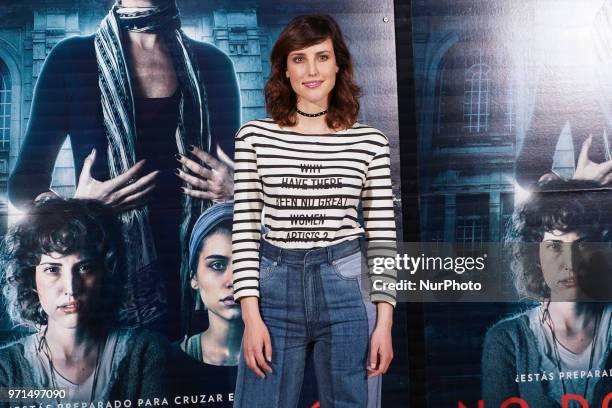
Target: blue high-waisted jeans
<point>312,301</point>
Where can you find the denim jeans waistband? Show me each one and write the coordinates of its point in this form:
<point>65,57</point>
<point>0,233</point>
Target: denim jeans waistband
<point>311,256</point>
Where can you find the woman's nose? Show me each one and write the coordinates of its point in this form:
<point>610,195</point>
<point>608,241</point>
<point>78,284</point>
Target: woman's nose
<point>228,277</point>
<point>73,283</point>
<point>313,69</point>
<point>570,256</point>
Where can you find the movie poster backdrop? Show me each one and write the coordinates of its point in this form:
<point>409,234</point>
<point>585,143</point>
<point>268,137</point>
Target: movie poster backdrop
<point>244,32</point>
<point>513,120</point>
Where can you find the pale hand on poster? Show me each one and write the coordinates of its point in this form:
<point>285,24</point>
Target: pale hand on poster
<point>215,183</point>
<point>589,170</point>
<point>124,192</point>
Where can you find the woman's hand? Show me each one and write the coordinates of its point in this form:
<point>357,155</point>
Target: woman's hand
<point>548,177</point>
<point>215,184</point>
<point>588,170</point>
<point>123,192</point>
<point>46,195</point>
<point>381,345</point>
<point>256,341</point>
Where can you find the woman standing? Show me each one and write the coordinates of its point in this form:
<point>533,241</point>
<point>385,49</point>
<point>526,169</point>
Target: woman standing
<point>135,97</point>
<point>556,262</point>
<point>299,284</point>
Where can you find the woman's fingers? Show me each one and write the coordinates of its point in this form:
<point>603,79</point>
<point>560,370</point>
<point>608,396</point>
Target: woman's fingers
<point>193,181</point>
<point>254,357</point>
<point>381,354</point>
<point>125,178</point>
<point>205,157</point>
<point>206,195</point>
<point>261,361</point>
<point>224,158</point>
<point>385,360</point>
<point>135,200</point>
<point>87,165</point>
<point>373,372</point>
<point>373,366</point>
<point>583,157</point>
<point>606,180</point>
<point>605,169</point>
<point>257,342</point>
<point>217,182</point>
<point>252,363</point>
<point>268,348</point>
<point>194,167</point>
<point>137,186</point>
<point>383,366</point>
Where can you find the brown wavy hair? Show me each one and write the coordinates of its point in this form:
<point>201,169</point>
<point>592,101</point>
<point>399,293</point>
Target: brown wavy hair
<point>281,100</point>
<point>65,227</point>
<point>567,206</point>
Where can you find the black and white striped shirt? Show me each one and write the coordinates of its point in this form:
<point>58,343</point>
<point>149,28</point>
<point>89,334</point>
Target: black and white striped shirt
<point>308,189</point>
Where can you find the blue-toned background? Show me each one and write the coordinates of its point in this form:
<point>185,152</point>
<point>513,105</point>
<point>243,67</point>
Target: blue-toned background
<point>480,69</point>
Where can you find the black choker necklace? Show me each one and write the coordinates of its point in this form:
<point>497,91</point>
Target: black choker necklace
<point>311,115</point>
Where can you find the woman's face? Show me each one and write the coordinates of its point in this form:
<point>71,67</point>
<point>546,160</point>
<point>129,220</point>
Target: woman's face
<point>312,73</point>
<point>68,286</point>
<point>564,258</point>
<point>213,278</point>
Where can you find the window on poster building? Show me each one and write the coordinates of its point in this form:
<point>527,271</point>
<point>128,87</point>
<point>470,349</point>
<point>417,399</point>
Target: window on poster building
<point>472,222</point>
<point>476,102</point>
<point>473,97</point>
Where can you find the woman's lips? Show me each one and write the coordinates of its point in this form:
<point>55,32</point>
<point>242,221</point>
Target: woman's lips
<point>312,84</point>
<point>70,307</point>
<point>229,301</point>
<point>568,283</point>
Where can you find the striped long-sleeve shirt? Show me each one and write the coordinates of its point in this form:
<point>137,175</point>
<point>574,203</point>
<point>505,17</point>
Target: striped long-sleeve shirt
<point>308,189</point>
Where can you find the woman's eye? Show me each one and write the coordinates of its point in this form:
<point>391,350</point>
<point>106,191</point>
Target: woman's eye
<point>297,60</point>
<point>51,269</point>
<point>86,268</point>
<point>583,245</point>
<point>323,57</point>
<point>218,266</point>
<point>554,245</point>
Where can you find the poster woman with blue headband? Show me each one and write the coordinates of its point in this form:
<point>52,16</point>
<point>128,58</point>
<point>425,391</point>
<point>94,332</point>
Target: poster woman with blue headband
<point>141,101</point>
<point>214,352</point>
<point>210,261</point>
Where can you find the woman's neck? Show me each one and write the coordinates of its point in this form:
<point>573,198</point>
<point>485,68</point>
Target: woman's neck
<point>145,41</point>
<point>573,317</point>
<point>221,341</point>
<point>309,125</point>
<point>69,344</point>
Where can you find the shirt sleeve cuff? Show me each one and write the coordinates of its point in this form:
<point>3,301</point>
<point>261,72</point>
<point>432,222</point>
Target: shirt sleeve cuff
<point>246,292</point>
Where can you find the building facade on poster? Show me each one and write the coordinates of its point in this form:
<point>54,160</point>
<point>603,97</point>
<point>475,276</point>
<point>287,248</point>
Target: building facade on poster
<point>466,124</point>
<point>476,82</point>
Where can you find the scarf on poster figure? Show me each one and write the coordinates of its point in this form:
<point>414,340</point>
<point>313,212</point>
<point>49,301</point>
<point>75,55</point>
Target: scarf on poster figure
<point>145,293</point>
